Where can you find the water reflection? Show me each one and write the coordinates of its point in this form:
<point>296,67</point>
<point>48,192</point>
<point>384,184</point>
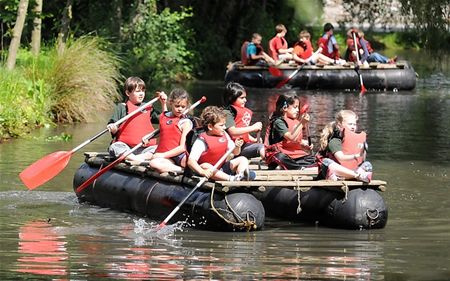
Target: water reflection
<point>41,250</point>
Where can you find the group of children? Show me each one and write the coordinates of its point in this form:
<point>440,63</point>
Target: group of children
<point>186,146</point>
<point>252,53</point>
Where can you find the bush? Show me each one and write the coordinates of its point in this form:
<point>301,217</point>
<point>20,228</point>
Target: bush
<point>24,102</point>
<point>159,44</point>
<point>84,80</point>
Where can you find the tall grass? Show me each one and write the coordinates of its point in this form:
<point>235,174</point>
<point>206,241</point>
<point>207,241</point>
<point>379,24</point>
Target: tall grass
<point>84,80</point>
<point>71,87</point>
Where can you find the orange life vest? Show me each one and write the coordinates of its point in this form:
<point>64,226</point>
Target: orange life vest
<point>216,147</point>
<point>136,127</point>
<point>293,149</point>
<point>169,133</point>
<point>353,143</point>
<point>242,119</point>
<point>303,49</point>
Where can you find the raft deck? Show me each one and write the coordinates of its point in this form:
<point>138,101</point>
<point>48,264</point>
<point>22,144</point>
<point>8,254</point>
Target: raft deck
<point>301,180</point>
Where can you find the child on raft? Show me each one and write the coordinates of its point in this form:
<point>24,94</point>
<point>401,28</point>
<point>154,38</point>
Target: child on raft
<point>131,132</point>
<point>212,144</point>
<point>170,153</point>
<point>285,141</point>
<point>332,160</point>
<point>238,119</point>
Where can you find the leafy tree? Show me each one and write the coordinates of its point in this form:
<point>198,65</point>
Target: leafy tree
<point>431,19</point>
<point>160,43</point>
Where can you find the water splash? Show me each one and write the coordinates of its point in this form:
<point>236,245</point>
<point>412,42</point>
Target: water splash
<point>145,232</point>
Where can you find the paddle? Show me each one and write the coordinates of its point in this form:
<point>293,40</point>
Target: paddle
<point>284,81</point>
<point>124,155</point>
<point>49,166</point>
<point>200,183</point>
<point>303,110</point>
<point>275,71</point>
<point>363,89</point>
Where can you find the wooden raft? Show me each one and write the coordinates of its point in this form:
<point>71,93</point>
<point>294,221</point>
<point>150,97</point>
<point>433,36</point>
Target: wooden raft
<point>292,179</point>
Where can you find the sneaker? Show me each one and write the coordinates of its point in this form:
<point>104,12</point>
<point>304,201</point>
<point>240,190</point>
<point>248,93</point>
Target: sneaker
<point>364,177</point>
<point>250,175</point>
<point>365,167</point>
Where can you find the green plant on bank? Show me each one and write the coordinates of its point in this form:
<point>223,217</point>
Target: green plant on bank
<point>160,44</point>
<point>24,102</point>
<point>58,88</point>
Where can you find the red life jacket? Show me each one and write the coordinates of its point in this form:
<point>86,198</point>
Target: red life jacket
<point>323,43</point>
<point>293,149</point>
<point>242,119</point>
<point>244,53</point>
<point>169,133</point>
<point>275,44</point>
<point>136,127</point>
<point>216,147</point>
<point>303,49</point>
<point>351,48</point>
<point>352,143</point>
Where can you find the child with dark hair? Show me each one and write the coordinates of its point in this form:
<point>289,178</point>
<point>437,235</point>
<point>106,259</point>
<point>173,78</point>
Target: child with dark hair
<point>286,145</point>
<point>329,45</point>
<point>238,121</point>
<point>131,132</point>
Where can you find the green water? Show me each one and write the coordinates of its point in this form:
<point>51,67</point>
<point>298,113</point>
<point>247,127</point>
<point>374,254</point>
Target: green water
<point>48,235</point>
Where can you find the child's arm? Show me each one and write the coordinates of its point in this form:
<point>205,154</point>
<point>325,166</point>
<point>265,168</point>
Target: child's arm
<point>118,113</point>
<point>163,101</point>
<point>297,133</point>
<point>197,149</point>
<point>235,131</point>
<point>237,148</point>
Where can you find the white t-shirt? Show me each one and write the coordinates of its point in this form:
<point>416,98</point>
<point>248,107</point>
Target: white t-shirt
<point>199,147</point>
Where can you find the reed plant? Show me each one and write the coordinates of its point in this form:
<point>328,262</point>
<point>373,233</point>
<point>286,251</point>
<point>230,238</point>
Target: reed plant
<point>84,80</point>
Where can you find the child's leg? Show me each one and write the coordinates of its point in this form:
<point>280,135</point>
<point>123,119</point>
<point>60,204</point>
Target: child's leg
<point>239,164</point>
<point>251,150</point>
<point>163,165</point>
<point>340,171</point>
<point>218,175</point>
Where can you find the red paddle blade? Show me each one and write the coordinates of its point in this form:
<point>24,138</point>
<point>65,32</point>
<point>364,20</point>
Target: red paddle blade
<point>304,109</point>
<point>363,89</point>
<point>45,169</point>
<point>275,71</point>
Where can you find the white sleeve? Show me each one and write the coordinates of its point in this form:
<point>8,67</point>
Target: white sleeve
<point>185,120</point>
<point>230,142</point>
<point>197,149</point>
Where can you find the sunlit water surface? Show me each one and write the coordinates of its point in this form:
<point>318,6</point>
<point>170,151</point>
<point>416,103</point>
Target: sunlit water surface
<point>47,234</point>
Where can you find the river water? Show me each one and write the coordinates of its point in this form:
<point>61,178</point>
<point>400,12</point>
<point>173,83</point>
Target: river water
<point>47,235</point>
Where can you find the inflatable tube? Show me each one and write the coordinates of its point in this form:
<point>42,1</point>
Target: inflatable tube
<point>377,77</point>
<point>362,209</point>
<point>156,198</point>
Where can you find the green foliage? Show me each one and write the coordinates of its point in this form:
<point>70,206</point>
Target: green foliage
<point>84,80</point>
<point>65,88</point>
<point>62,137</point>
<point>160,44</point>
<point>431,20</point>
<point>24,102</point>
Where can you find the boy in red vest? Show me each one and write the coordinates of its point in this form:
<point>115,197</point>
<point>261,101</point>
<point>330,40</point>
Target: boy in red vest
<point>131,132</point>
<point>278,46</point>
<point>329,44</point>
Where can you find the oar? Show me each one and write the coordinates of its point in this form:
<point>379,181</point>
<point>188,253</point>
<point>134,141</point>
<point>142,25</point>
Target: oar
<point>124,155</point>
<point>363,89</point>
<point>284,81</point>
<point>200,183</point>
<point>275,71</point>
<point>49,166</point>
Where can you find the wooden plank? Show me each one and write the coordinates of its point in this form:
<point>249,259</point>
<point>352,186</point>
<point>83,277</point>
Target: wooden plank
<point>319,183</point>
<point>283,178</point>
<point>305,172</point>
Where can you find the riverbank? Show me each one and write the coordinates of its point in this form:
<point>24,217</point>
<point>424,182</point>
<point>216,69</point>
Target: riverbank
<point>57,88</point>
